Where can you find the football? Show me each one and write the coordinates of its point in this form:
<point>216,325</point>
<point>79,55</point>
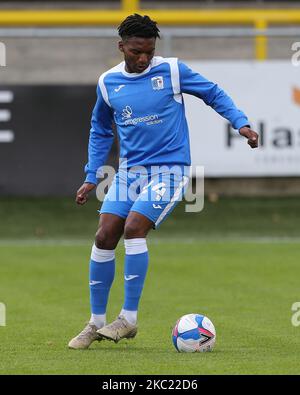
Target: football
<point>194,333</point>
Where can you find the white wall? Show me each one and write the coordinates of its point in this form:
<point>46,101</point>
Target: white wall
<point>269,94</point>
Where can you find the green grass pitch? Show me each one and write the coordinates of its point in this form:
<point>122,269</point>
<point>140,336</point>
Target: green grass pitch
<point>244,278</point>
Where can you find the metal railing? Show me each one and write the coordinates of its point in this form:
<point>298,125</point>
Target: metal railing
<point>167,33</point>
<point>258,19</point>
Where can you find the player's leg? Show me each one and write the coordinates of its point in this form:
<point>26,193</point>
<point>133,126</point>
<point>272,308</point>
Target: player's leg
<point>136,229</point>
<point>114,211</point>
<point>102,262</point>
<point>102,271</point>
<point>102,265</point>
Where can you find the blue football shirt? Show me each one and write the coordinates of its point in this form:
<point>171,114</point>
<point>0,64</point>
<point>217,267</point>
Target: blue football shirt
<point>148,111</point>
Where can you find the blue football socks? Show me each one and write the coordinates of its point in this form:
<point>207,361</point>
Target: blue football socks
<point>102,272</point>
<point>135,270</point>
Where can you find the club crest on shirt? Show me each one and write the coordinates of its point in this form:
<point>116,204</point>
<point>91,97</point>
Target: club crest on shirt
<point>157,82</point>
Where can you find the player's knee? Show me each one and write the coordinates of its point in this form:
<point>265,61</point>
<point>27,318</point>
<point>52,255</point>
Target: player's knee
<point>134,229</point>
<point>105,239</point>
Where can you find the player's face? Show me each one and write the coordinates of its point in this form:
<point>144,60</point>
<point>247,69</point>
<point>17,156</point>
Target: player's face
<point>138,53</point>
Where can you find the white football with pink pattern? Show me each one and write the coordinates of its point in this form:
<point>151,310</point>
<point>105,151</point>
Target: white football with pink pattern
<point>194,333</point>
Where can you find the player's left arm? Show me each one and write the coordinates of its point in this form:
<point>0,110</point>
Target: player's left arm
<point>251,135</point>
<point>195,84</point>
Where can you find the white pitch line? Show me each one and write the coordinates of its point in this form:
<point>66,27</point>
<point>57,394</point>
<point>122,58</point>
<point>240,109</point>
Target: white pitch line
<point>152,240</point>
<point>46,242</point>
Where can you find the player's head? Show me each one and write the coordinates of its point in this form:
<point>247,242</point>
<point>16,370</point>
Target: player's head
<point>138,36</point>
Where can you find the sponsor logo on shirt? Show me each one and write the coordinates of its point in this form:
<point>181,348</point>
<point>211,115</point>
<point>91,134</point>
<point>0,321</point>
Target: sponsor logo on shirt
<point>148,119</point>
<point>127,112</point>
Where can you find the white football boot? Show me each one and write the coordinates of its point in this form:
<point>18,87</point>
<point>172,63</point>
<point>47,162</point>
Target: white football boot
<point>85,338</point>
<point>117,330</point>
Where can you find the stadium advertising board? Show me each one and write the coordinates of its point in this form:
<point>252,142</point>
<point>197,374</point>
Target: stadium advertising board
<point>269,94</point>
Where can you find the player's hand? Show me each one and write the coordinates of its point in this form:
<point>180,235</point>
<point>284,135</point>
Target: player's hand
<point>83,192</point>
<point>250,135</point>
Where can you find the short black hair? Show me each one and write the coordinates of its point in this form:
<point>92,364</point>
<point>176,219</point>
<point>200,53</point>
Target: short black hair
<point>138,26</point>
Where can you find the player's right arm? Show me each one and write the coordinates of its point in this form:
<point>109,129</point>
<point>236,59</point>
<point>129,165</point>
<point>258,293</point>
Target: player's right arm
<point>100,142</point>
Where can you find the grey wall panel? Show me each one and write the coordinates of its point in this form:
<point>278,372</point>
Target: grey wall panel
<point>50,128</point>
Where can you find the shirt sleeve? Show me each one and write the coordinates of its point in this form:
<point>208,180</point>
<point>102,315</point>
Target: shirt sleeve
<point>100,140</point>
<point>195,84</point>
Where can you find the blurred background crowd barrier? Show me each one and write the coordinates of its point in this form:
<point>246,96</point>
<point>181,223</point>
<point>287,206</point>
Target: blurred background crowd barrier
<point>52,54</point>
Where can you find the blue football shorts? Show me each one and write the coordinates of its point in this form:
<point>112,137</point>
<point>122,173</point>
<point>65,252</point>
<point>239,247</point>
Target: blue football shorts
<point>152,194</point>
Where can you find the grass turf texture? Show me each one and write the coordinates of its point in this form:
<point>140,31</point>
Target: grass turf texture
<point>61,218</point>
<point>246,289</point>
